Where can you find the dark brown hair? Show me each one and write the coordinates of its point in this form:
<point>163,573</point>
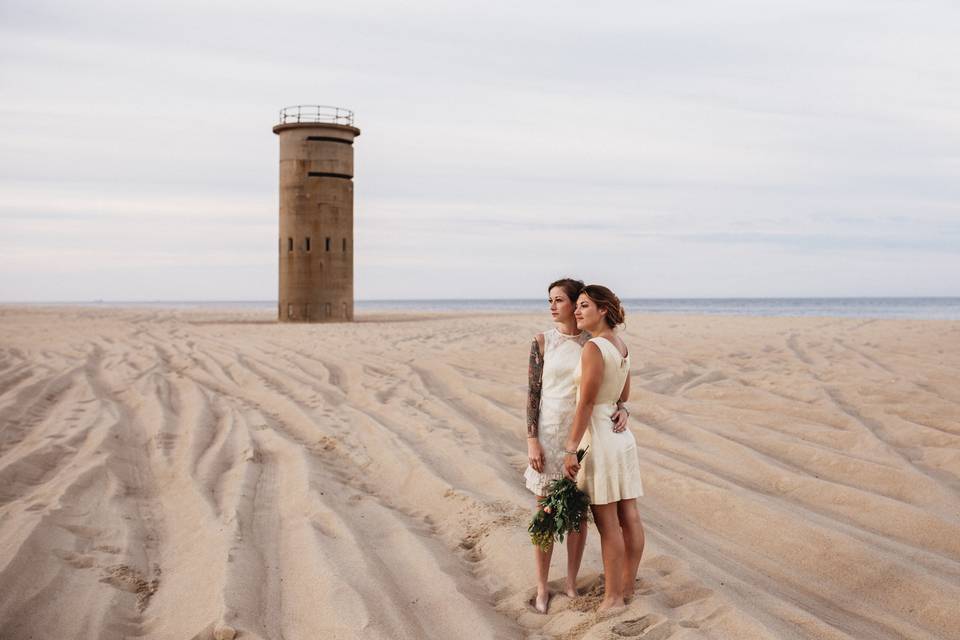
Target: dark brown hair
<point>606,299</point>
<point>571,287</point>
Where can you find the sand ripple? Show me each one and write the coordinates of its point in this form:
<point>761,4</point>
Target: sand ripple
<point>195,474</point>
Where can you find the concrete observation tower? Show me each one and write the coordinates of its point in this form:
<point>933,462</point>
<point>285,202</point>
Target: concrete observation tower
<point>316,214</point>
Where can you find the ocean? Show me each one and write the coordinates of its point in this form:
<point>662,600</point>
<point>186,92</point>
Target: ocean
<point>913,308</point>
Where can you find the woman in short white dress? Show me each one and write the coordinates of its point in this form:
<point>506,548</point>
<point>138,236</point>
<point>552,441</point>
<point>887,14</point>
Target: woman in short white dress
<point>551,401</point>
<point>611,469</point>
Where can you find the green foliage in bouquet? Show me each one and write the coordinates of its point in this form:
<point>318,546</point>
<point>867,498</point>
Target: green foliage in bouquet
<point>561,511</point>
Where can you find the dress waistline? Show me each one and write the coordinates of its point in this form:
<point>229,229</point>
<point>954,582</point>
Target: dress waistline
<point>607,408</point>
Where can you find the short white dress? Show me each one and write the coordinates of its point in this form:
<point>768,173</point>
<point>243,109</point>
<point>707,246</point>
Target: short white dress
<point>611,469</point>
<point>558,401</point>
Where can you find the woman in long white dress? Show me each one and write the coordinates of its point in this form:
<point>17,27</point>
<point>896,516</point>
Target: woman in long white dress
<point>551,400</point>
<point>610,472</point>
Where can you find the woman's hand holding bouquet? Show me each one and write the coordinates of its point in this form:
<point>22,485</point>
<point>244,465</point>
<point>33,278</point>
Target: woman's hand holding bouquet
<point>561,511</point>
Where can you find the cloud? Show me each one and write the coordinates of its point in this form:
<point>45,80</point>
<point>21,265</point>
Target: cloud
<point>808,137</point>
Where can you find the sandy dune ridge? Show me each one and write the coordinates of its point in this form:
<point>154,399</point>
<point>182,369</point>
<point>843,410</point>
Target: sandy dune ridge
<point>199,474</point>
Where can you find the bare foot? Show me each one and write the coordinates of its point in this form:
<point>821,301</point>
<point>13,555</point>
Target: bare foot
<point>609,604</point>
<point>610,611</point>
<point>572,591</point>
<point>542,601</point>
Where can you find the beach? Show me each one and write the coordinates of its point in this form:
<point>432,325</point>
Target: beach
<point>196,474</point>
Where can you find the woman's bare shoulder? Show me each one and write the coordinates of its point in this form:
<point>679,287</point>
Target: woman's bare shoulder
<point>539,339</point>
<point>591,350</point>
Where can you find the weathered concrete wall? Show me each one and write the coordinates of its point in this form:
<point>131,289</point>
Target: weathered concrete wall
<point>316,222</point>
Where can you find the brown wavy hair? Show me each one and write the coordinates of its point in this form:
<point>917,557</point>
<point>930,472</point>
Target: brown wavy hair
<point>606,299</point>
<point>571,287</point>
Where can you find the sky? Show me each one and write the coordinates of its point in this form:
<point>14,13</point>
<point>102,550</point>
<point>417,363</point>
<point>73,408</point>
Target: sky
<point>681,149</point>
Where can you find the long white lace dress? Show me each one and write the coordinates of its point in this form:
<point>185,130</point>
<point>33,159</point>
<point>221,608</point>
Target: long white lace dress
<point>558,401</point>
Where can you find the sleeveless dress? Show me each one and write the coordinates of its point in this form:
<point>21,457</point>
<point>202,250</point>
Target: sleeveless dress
<point>611,469</point>
<point>558,401</point>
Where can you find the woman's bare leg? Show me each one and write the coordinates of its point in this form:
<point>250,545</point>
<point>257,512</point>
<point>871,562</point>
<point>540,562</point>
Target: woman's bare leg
<point>612,551</point>
<point>575,545</point>
<point>633,541</point>
<point>542,559</point>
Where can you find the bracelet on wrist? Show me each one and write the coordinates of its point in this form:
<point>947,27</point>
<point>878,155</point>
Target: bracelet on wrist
<point>570,453</point>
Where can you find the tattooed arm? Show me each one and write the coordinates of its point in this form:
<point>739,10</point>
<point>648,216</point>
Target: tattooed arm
<point>535,383</point>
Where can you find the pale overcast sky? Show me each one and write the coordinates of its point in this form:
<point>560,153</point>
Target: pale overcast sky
<point>681,149</point>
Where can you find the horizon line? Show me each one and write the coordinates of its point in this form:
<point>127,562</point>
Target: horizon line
<point>625,298</point>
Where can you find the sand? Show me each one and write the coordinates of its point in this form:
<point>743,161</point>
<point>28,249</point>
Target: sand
<point>197,474</point>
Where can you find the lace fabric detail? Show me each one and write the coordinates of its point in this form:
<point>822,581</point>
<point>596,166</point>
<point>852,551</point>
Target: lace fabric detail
<point>558,401</point>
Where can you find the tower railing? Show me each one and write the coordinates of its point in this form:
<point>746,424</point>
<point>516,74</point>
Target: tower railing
<point>316,113</point>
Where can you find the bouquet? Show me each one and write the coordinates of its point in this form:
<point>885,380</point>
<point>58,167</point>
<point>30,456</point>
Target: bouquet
<point>561,511</point>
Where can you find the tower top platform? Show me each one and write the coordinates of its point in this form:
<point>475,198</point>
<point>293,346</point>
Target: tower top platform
<point>316,115</point>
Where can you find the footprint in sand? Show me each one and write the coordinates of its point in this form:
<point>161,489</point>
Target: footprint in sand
<point>665,578</point>
<point>591,593</point>
<point>80,531</point>
<point>75,560</point>
<point>649,627</point>
<point>685,594</point>
<point>664,565</point>
<point>327,443</point>
<point>106,548</point>
<point>643,587</point>
<point>128,579</point>
<point>471,552</point>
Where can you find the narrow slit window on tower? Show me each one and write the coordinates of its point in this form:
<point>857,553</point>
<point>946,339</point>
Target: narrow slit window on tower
<point>344,244</point>
<point>327,139</point>
<point>289,244</point>
<point>306,245</point>
<point>328,244</point>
